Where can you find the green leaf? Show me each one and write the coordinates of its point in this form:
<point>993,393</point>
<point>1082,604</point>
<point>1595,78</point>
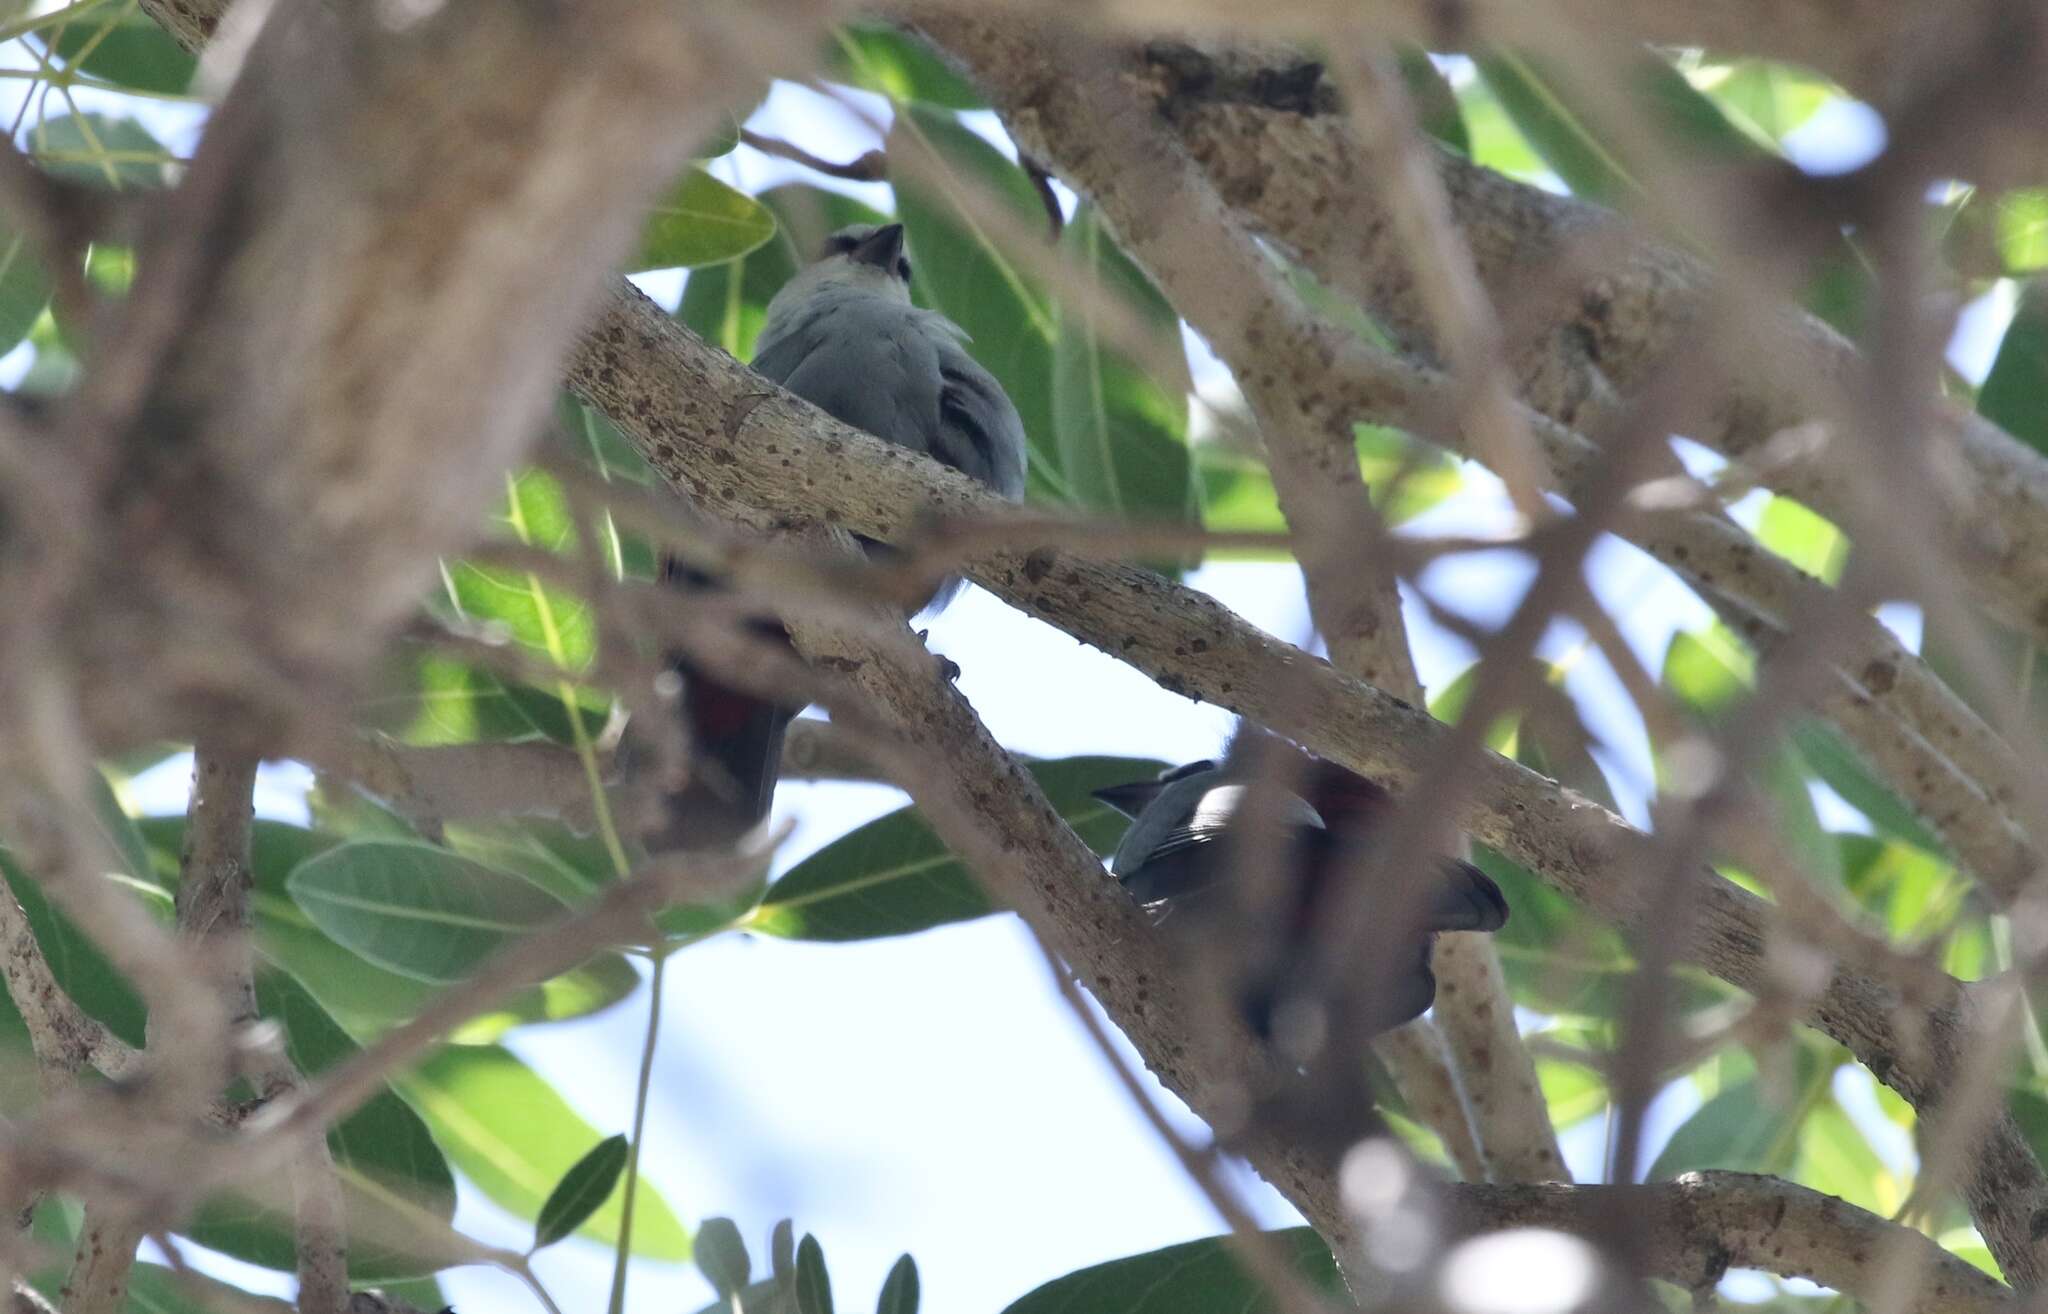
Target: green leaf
<point>1406,478</point>
<point>396,1185</point>
<point>721,1254</point>
<point>1448,705</point>
<point>587,435</point>
<point>1436,103</point>
<point>721,142</point>
<point>110,269</point>
<point>94,148</point>
<point>1739,1129</point>
<point>423,697</point>
<point>361,998</point>
<point>2030,1110</point>
<point>1785,777</point>
<point>1823,749</point>
<point>588,1184</point>
<point>126,47</point>
<point>1770,98</point>
<point>1921,898</point>
<point>1571,1092</point>
<point>813,1284</point>
<point>119,830</point>
<point>1196,1277</point>
<point>1836,1158</point>
<point>702,221</point>
<point>1122,434</point>
<point>899,1289</point>
<point>768,1296</point>
<point>415,909</point>
<point>1803,537</point>
<point>80,968</point>
<point>893,876</point>
<point>1565,135</point>
<point>1843,289</point>
<point>1556,959</point>
<point>421,1293</point>
<point>2015,394</point>
<point>24,287</point>
<point>154,1289</point>
<point>1707,670</point>
<point>726,304</point>
<point>540,616</point>
<point>1710,671</point>
<point>1565,141</point>
<point>1497,144</point>
<point>508,1131</point>
<point>2022,228</point>
<point>881,58</point>
<point>782,1249</point>
<point>1009,319</point>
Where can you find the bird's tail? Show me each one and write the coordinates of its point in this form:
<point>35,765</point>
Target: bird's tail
<point>735,747</point>
<point>736,743</point>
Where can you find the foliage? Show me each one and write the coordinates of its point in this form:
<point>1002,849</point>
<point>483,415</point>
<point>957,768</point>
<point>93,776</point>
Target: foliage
<point>361,917</point>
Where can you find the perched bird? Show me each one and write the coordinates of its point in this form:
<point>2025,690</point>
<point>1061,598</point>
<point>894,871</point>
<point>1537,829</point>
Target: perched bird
<point>843,335</point>
<point>1194,829</point>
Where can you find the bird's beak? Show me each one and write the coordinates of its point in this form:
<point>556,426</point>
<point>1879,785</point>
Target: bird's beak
<point>882,248</point>
<point>1130,799</point>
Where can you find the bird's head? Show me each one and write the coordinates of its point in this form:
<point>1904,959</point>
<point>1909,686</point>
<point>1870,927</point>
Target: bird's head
<point>862,257</point>
<point>1135,797</point>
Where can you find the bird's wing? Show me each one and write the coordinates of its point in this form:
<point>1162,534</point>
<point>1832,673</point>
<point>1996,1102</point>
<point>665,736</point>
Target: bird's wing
<point>980,431</point>
<point>1172,876</point>
<point>867,362</point>
<point>1465,898</point>
<point>777,357</point>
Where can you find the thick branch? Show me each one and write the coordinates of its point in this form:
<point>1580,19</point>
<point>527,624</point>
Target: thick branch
<point>730,440</point>
<point>466,176</point>
<point>1944,759</point>
<point>1694,1229</point>
<point>65,1038</point>
<point>1095,131</point>
<point>987,808</point>
<point>1608,325</point>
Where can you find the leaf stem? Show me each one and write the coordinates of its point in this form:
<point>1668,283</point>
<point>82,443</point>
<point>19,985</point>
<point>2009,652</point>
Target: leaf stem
<point>36,22</point>
<point>654,981</point>
<point>522,1270</point>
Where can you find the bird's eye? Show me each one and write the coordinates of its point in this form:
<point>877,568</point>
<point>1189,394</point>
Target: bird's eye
<point>903,268</point>
<point>841,243</point>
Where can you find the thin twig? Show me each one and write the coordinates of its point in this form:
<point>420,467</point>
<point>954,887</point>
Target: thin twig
<point>873,166</point>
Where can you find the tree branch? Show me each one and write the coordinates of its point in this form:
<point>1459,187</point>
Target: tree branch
<point>1606,322</point>
<point>215,876</point>
<point>731,441</point>
<point>1701,1225</point>
<point>1703,547</point>
<point>413,364</point>
<point>65,1038</point>
<point>1096,132</point>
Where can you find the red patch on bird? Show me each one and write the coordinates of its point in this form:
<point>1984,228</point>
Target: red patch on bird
<point>717,710</point>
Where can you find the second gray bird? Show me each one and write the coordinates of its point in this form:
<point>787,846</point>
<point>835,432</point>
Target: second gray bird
<point>843,335</point>
<point>1191,835</point>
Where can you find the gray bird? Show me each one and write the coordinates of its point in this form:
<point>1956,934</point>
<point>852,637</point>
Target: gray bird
<point>842,335</point>
<point>1191,830</point>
